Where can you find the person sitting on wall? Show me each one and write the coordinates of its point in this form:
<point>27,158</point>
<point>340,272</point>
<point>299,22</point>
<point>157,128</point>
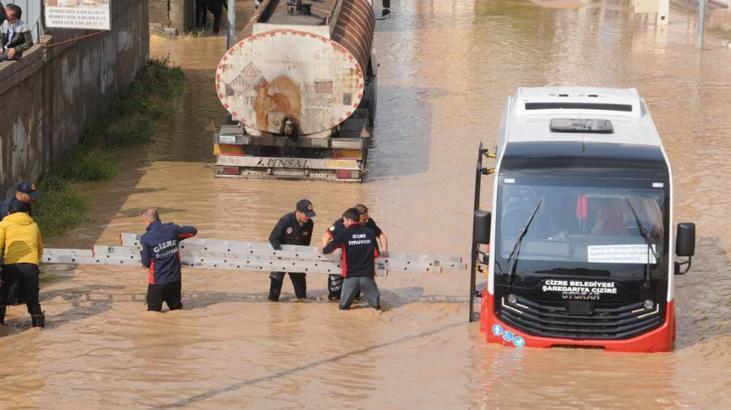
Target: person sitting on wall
<point>15,35</point>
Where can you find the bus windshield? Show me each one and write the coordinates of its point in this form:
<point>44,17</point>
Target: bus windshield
<point>581,221</point>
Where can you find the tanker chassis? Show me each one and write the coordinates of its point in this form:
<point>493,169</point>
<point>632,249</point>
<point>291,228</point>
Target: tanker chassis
<point>300,89</point>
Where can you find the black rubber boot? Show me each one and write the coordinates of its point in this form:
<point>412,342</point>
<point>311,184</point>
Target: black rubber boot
<point>275,288</point>
<point>2,314</point>
<point>299,282</point>
<point>38,320</point>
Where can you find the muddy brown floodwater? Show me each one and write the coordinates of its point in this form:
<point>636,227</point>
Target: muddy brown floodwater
<point>446,68</point>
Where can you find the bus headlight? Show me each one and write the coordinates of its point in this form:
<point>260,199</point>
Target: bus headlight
<point>649,305</point>
<point>512,298</point>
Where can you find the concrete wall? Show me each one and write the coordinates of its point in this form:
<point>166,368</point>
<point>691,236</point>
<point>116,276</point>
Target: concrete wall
<point>21,119</point>
<point>49,95</point>
<point>176,14</point>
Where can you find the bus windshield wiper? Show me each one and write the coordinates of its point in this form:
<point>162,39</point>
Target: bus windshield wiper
<point>513,258</point>
<point>648,242</point>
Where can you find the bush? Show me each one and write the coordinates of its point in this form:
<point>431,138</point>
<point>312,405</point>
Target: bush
<point>83,165</point>
<point>61,207</point>
<point>130,130</point>
<point>127,123</point>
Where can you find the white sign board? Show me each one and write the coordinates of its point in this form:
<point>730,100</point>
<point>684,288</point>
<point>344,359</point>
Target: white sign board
<point>78,14</point>
<point>646,6</point>
<point>629,253</point>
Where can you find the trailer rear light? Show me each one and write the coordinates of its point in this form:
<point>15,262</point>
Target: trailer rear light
<point>347,174</point>
<point>231,171</point>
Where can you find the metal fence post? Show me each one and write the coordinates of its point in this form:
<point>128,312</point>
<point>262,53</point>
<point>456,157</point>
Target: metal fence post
<point>663,11</point>
<point>474,247</point>
<point>231,33</point>
<point>231,38</point>
<point>701,23</point>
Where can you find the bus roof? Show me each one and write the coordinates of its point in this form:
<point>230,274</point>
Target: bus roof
<point>532,109</point>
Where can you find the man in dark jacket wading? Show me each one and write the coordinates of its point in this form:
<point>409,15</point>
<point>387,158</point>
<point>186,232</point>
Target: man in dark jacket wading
<point>294,228</point>
<point>360,250</point>
<point>160,253</point>
<point>335,281</point>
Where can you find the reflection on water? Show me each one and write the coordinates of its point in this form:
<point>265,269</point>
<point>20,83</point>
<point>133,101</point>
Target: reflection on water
<point>446,69</point>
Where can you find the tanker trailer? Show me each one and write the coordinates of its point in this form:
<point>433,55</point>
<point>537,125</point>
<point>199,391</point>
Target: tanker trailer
<point>300,88</point>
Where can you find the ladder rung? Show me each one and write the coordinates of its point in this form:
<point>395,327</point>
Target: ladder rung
<point>130,239</point>
<point>125,256</point>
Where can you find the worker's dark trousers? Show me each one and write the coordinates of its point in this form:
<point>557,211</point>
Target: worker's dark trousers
<point>201,10</point>
<point>353,286</point>
<point>217,10</point>
<point>20,284</point>
<point>299,282</point>
<point>335,287</point>
<point>168,293</point>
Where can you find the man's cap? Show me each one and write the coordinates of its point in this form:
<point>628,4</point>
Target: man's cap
<point>27,188</point>
<point>305,206</point>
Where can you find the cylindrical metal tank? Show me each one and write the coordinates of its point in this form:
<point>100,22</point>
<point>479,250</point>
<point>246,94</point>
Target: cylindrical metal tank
<point>310,68</point>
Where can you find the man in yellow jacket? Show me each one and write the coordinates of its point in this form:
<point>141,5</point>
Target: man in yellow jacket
<point>20,241</point>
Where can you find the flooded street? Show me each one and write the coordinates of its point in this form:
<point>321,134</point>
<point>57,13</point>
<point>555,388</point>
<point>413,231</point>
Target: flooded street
<point>446,67</point>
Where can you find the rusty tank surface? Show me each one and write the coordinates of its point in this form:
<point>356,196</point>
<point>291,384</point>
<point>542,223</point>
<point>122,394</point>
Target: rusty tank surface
<point>308,66</point>
<point>300,88</point>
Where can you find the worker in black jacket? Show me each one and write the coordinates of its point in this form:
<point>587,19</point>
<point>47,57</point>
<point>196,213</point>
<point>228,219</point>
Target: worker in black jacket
<point>359,251</point>
<point>160,253</point>
<point>294,228</point>
<point>335,282</point>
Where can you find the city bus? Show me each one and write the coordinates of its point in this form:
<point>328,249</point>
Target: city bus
<point>578,248</point>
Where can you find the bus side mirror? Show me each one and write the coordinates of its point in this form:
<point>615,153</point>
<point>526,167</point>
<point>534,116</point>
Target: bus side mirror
<point>685,239</point>
<point>386,8</point>
<point>684,246</point>
<point>481,226</point>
